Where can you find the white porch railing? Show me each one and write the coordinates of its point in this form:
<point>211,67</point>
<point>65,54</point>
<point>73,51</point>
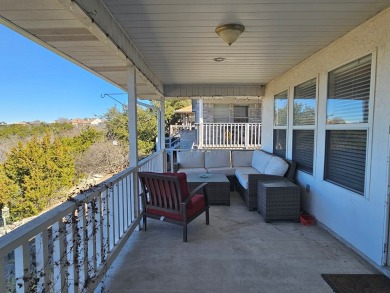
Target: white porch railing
<point>229,135</point>
<point>70,247</point>
<point>175,129</point>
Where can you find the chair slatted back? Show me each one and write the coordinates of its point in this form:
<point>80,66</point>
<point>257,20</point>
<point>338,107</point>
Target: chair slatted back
<point>161,191</point>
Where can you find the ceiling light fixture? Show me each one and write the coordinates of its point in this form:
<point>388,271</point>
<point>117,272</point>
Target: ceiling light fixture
<point>230,32</point>
<point>219,59</point>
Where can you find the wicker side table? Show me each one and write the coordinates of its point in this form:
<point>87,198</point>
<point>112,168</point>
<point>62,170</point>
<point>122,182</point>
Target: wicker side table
<point>278,200</point>
<point>218,187</point>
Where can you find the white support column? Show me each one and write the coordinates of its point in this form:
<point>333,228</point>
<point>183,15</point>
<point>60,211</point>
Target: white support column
<point>133,135</point>
<point>132,114</point>
<point>200,134</point>
<point>161,125</point>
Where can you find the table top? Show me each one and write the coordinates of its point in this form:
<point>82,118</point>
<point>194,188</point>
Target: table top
<point>277,183</point>
<point>212,177</point>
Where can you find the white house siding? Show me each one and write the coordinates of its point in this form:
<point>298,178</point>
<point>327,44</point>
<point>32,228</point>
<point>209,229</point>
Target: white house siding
<point>359,220</point>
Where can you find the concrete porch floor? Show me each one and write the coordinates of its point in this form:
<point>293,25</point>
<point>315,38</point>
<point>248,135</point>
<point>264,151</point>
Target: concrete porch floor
<point>237,252</point>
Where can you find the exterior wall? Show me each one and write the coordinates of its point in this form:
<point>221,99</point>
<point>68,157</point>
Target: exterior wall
<point>254,110</point>
<point>359,220</point>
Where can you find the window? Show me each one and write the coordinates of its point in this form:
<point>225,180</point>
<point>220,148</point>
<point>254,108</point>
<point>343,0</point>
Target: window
<point>280,142</point>
<point>280,124</point>
<point>304,125</point>
<point>241,114</point>
<point>347,124</point>
<point>221,113</point>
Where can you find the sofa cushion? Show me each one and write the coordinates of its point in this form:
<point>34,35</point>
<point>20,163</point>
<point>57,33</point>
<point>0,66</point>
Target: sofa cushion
<point>190,159</point>
<point>217,159</point>
<point>260,160</point>
<point>245,170</point>
<point>242,158</point>
<point>193,170</point>
<point>223,170</point>
<point>276,166</point>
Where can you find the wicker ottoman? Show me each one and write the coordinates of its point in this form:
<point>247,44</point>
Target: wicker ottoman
<point>278,200</point>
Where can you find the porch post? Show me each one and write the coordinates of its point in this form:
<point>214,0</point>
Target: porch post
<point>133,135</point>
<point>200,129</point>
<point>161,132</point>
<point>161,125</point>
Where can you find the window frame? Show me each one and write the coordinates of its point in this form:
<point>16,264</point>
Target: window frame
<point>283,127</point>
<point>306,127</point>
<point>368,126</point>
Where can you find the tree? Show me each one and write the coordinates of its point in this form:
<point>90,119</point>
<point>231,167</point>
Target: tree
<point>41,169</point>
<point>170,107</point>
<point>9,190</point>
<point>117,127</point>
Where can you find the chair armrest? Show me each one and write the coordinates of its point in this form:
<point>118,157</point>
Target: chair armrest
<point>194,191</point>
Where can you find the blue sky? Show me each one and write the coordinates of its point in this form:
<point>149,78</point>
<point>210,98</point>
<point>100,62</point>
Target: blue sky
<point>37,84</point>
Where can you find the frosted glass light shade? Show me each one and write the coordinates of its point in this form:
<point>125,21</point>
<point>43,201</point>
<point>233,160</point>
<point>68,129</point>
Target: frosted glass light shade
<point>230,32</point>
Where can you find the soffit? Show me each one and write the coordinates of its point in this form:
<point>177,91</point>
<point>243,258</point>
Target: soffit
<point>177,38</point>
<point>172,42</point>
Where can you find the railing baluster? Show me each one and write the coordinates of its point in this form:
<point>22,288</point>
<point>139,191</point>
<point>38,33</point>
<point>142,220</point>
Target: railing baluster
<point>121,208</point>
<point>3,279</point>
<point>22,268</point>
<point>99,230</point>
<point>105,221</point>
<point>58,256</point>
<point>82,247</point>
<point>116,213</point>
<point>91,238</point>
<point>42,261</point>
<point>111,219</point>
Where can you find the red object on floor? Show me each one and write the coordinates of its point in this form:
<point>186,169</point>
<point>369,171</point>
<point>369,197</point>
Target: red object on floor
<point>307,219</point>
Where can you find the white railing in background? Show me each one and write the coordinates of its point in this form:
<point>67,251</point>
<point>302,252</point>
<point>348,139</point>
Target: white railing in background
<point>229,135</point>
<point>70,247</point>
<point>175,129</point>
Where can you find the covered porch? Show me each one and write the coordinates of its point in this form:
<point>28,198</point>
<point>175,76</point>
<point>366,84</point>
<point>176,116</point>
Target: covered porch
<point>165,51</point>
<point>237,252</point>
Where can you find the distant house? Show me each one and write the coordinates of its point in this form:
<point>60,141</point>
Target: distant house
<point>228,110</point>
<point>97,121</point>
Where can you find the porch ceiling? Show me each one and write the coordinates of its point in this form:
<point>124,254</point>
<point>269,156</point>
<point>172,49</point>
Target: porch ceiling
<point>173,43</point>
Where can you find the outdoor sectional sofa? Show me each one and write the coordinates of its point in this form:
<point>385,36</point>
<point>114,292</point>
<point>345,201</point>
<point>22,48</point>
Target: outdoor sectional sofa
<point>243,168</point>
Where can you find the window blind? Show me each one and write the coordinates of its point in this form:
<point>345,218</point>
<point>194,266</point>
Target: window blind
<point>349,92</point>
<point>279,147</point>
<point>303,149</point>
<point>346,158</point>
<point>221,113</point>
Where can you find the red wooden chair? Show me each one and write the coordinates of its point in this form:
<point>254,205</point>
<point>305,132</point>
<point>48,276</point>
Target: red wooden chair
<point>165,197</point>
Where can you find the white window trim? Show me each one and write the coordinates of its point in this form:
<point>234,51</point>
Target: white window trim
<point>305,127</point>
<point>361,126</point>
<point>287,154</point>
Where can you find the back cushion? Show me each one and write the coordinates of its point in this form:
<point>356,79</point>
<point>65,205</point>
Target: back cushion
<point>191,159</point>
<point>215,159</point>
<point>242,158</point>
<point>276,166</point>
<point>260,161</point>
